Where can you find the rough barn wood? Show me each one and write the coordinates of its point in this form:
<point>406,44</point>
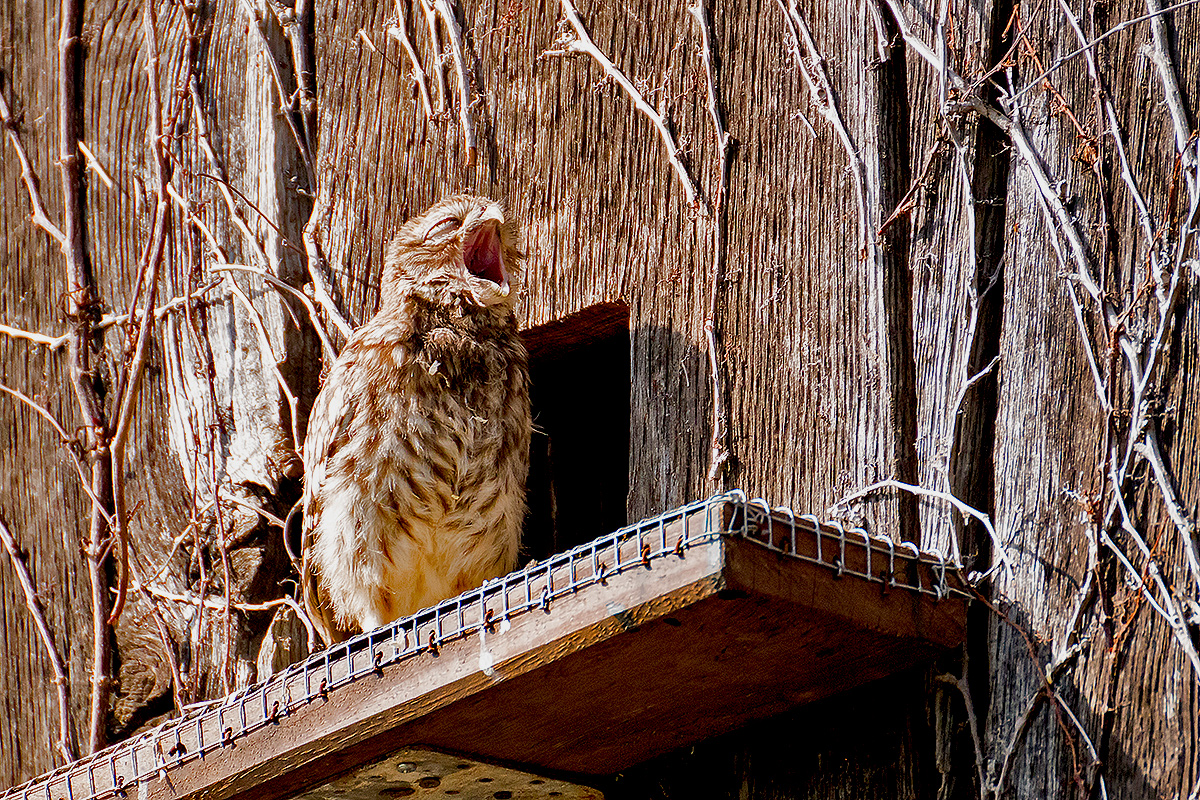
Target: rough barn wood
<point>929,267</point>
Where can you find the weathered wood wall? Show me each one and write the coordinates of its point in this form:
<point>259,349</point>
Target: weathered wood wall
<point>854,344</point>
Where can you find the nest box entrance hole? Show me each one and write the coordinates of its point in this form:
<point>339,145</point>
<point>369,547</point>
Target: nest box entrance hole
<point>579,454</point>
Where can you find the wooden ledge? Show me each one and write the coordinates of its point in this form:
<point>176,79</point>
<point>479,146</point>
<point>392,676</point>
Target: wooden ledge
<point>678,629</point>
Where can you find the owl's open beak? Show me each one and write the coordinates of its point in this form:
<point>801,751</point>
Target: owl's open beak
<point>482,253</point>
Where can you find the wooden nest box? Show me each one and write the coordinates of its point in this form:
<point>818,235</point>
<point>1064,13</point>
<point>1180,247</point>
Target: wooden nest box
<point>670,631</point>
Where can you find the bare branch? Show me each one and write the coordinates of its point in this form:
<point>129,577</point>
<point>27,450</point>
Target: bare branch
<point>1114,129</point>
<point>1169,609</point>
<point>30,178</point>
<point>285,107</point>
<point>290,291</point>
<point>581,43</point>
<point>130,380</point>
<point>268,353</point>
<point>81,304</point>
<point>164,634</point>
<point>399,32</point>
<point>983,518</point>
<point>1058,62</point>
<point>220,179</point>
<point>464,81</point>
<point>93,164</point>
<point>1150,450</point>
<point>214,604</point>
<point>439,58</point>
<point>813,70</point>
<point>316,273</point>
<point>52,342</point>
<point>109,320</point>
<point>66,745</point>
<point>1160,54</point>
<point>66,438</point>
<point>1045,692</point>
<point>719,450</point>
<point>964,689</point>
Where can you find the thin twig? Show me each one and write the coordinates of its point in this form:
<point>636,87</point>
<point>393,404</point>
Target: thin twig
<point>65,742</point>
<point>39,216</point>
<point>821,90</point>
<point>220,179</point>
<point>130,380</point>
<point>70,441</point>
<point>399,31</point>
<point>580,42</point>
<point>964,689</point>
<point>439,59</point>
<point>1058,62</point>
<point>719,450</point>
<point>54,343</point>
<point>164,634</point>
<point>215,604</point>
<point>316,267</point>
<point>1169,609</point>
<point>1045,692</point>
<point>268,352</point>
<point>454,34</point>
<point>1161,56</point>
<point>983,518</point>
<point>93,164</point>
<point>1149,449</point>
<point>285,106</point>
<point>290,291</point>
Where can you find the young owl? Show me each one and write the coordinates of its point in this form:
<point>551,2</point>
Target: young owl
<point>418,443</point>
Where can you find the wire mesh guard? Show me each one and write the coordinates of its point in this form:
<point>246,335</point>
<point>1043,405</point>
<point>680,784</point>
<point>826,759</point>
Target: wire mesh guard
<point>846,552</point>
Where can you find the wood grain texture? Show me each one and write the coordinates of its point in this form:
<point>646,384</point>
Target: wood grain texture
<point>839,370</point>
<point>42,498</point>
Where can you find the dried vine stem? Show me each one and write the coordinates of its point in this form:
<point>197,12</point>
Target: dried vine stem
<point>82,300</point>
<point>38,215</point>
<point>295,294</point>
<point>1129,23</point>
<point>984,519</point>
<point>65,742</point>
<point>457,51</point>
<point>129,382</point>
<point>817,80</point>
<point>214,604</point>
<point>268,351</point>
<point>294,22</point>
<point>70,441</point>
<point>439,58</point>
<point>719,451</point>
<point>287,106</point>
<point>164,634</point>
<point>577,41</point>
<point>399,31</point>
<point>54,343</point>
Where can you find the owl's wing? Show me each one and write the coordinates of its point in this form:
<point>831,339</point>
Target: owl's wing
<point>328,430</point>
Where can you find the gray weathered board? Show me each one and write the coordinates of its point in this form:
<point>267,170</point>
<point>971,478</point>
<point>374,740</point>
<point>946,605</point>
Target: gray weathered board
<point>677,629</point>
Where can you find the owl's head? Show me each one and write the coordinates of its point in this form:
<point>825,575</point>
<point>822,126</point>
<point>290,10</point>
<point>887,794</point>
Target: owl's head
<point>462,248</point>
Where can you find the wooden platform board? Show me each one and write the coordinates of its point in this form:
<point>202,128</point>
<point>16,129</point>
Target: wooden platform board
<point>679,630</point>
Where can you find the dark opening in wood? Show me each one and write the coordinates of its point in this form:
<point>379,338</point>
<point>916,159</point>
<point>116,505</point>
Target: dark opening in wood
<point>579,457</point>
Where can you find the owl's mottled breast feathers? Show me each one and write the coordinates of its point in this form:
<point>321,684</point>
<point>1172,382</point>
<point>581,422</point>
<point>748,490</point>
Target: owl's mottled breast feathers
<point>418,443</point>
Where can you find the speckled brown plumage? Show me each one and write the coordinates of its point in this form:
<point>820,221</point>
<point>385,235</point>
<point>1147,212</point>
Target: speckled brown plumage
<point>418,443</point>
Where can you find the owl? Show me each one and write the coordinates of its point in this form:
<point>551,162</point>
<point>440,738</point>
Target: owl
<point>418,443</point>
